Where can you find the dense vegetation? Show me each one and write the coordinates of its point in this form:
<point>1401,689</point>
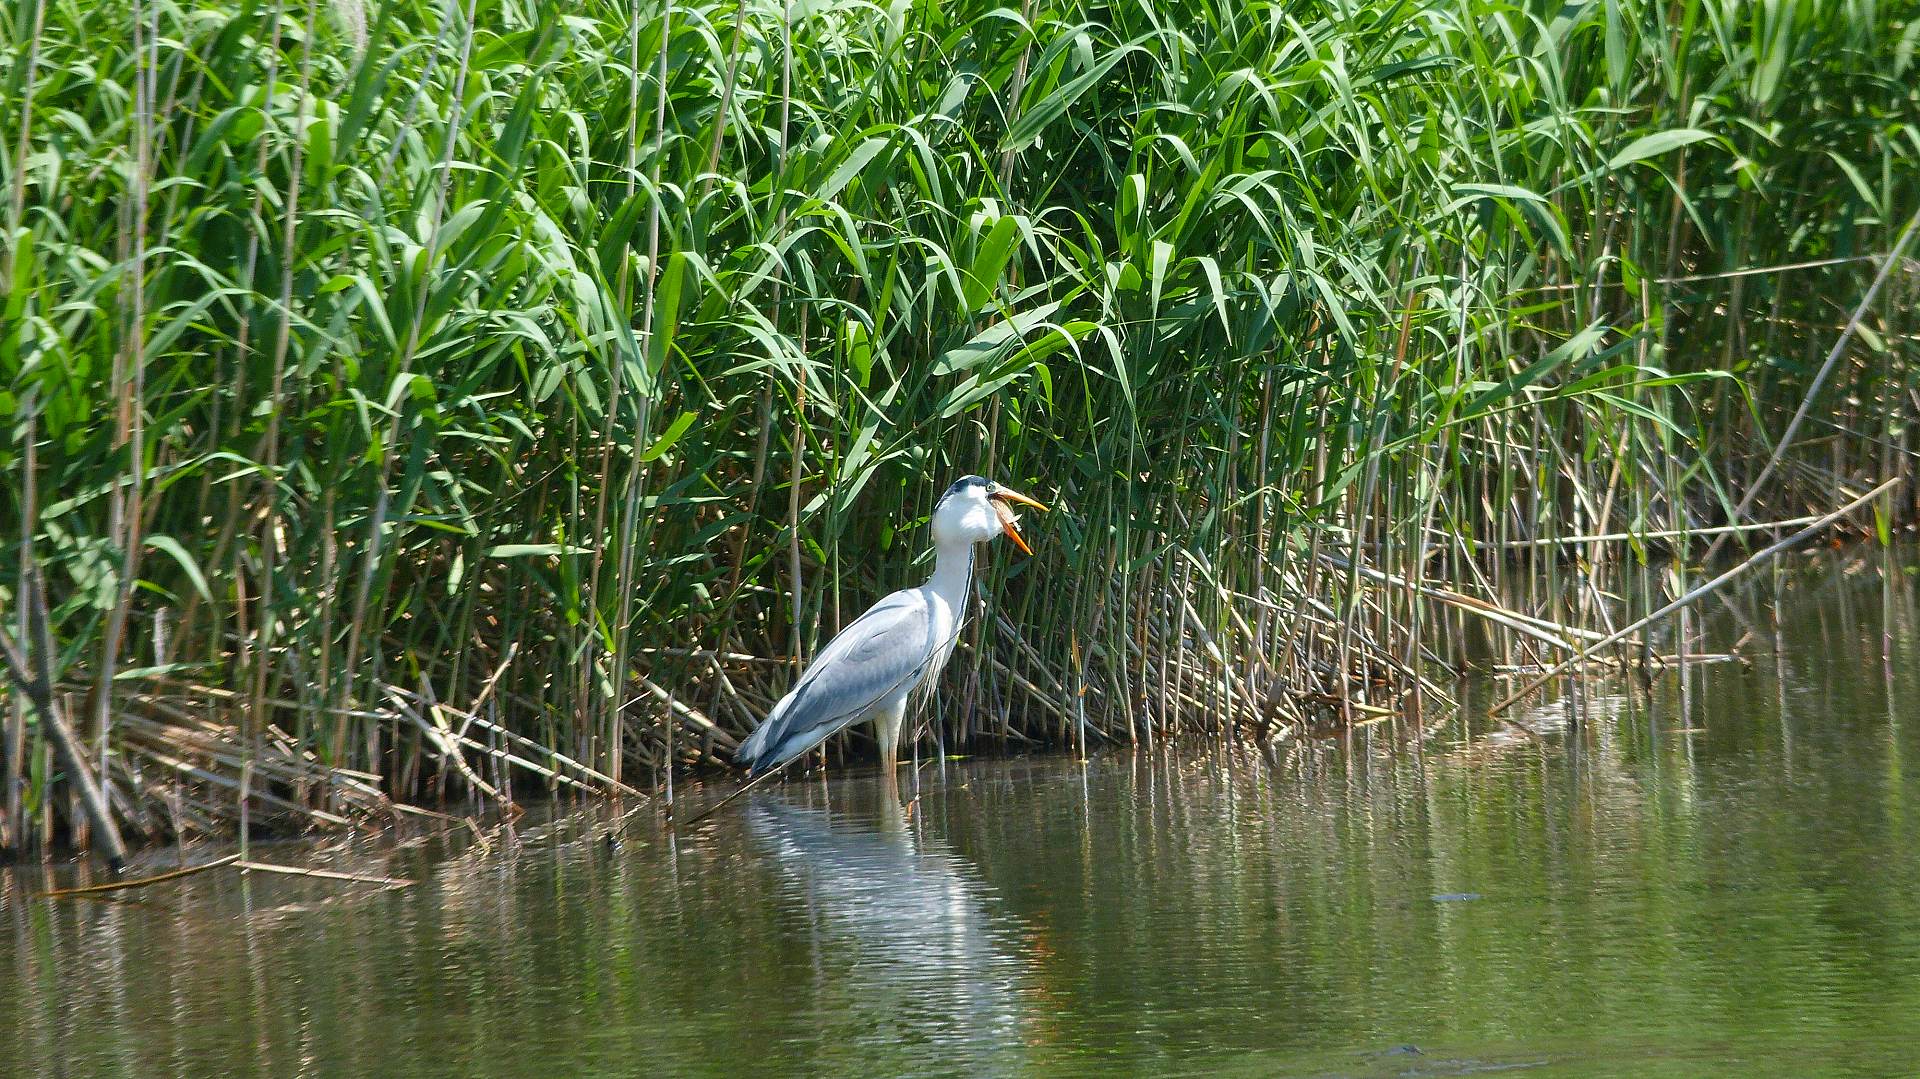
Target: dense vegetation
<point>409,398</point>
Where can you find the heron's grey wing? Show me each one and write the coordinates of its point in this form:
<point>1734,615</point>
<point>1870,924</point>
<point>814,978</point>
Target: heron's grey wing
<point>877,657</point>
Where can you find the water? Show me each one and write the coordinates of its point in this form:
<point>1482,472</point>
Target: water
<point>1733,890</point>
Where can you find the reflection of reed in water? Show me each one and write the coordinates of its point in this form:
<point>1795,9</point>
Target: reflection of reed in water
<point>902,930</point>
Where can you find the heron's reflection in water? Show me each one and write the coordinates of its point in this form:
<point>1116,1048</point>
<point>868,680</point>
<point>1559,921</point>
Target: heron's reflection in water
<point>906,948</point>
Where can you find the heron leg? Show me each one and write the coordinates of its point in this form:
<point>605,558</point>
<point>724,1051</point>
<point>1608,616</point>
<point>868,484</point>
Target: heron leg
<point>886,731</point>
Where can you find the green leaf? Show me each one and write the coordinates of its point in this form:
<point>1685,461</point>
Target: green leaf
<point>666,312</point>
<point>1219,289</point>
<point>1404,68</point>
<point>996,248</point>
<point>859,346</point>
<point>1499,191</point>
<point>1859,182</point>
<point>860,158</point>
<point>1026,130</point>
<point>1662,142</point>
<point>132,673</point>
<point>672,434</point>
<point>994,341</point>
<point>1159,258</point>
<point>534,550</point>
<point>171,547</point>
<point>1574,348</point>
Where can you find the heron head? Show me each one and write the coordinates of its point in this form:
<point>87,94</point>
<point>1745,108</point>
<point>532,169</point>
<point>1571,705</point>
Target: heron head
<point>975,510</point>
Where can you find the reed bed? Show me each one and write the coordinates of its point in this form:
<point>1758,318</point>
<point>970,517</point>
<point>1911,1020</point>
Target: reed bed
<point>419,402</point>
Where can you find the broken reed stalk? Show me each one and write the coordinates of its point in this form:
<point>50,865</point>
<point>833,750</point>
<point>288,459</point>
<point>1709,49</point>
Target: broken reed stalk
<point>234,860</point>
<point>1760,558</point>
<point>1820,379</point>
<point>321,874</point>
<point>140,882</point>
<point>1657,534</point>
<point>1558,634</point>
<point>744,788</point>
<point>37,686</point>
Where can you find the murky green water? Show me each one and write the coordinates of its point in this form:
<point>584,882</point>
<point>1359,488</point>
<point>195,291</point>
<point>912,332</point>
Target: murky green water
<point>1732,890</point>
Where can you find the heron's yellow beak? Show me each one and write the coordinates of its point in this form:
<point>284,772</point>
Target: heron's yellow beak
<point>1003,495</point>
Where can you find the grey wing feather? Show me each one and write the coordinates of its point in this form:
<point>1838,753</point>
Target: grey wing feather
<point>881,654</point>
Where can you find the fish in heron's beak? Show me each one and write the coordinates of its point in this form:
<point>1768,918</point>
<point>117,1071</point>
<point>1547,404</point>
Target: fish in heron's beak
<point>1000,496</point>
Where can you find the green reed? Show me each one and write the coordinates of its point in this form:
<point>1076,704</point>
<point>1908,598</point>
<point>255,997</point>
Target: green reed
<point>390,382</point>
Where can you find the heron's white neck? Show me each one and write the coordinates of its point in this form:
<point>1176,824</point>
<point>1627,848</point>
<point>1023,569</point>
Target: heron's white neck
<point>952,572</point>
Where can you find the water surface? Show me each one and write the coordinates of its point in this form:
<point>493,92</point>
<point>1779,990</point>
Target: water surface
<point>1725,881</point>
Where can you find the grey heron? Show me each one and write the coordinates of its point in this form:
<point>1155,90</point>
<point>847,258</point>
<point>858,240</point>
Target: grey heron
<point>873,666</point>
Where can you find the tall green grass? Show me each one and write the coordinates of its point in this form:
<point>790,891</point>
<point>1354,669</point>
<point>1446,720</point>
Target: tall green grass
<point>408,399</point>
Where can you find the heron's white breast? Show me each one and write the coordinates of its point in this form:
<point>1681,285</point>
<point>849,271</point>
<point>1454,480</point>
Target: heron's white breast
<point>946,617</point>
